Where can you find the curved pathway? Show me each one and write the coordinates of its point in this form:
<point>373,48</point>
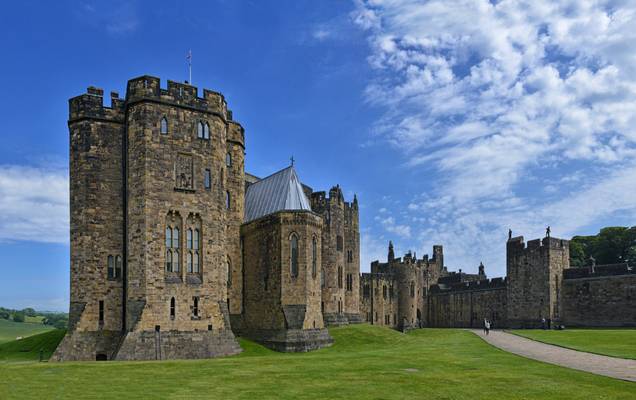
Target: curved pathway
<point>601,365</point>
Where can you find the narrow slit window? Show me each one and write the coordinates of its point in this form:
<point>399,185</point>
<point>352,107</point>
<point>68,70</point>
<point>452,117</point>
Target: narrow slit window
<point>200,130</point>
<point>101,311</point>
<point>164,125</point>
<point>111,267</point>
<point>229,273</point>
<point>207,179</point>
<point>314,257</point>
<point>294,255</point>
<point>173,308</point>
<point>228,159</point>
<point>206,131</point>
<point>118,267</point>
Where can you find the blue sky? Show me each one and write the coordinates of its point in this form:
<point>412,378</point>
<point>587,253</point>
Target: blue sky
<point>451,120</point>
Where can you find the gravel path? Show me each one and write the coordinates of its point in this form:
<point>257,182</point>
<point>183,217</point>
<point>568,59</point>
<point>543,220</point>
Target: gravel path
<point>601,365</point>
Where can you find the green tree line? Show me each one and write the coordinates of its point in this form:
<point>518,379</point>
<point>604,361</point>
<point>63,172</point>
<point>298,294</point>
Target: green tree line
<point>612,245</point>
<point>57,320</point>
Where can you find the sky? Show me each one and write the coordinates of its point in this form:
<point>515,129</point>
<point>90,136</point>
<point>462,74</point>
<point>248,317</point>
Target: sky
<point>452,121</point>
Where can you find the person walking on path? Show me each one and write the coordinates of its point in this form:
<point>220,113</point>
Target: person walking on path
<point>487,326</point>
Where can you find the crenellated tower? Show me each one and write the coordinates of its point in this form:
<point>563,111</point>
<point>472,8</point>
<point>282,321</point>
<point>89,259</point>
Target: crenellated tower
<point>340,280</point>
<point>535,276</point>
<point>151,188</point>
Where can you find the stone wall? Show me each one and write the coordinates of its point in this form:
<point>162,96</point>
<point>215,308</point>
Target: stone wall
<point>466,304</point>
<point>605,297</point>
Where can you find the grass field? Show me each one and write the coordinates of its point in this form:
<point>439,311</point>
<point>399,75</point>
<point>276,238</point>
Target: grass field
<point>28,349</point>
<point>10,330</point>
<point>365,363</point>
<point>611,342</point>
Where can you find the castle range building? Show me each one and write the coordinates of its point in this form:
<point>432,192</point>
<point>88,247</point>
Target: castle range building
<point>175,249</point>
<point>407,292</point>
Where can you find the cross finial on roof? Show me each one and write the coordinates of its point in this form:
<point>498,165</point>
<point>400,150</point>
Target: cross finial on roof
<point>292,160</point>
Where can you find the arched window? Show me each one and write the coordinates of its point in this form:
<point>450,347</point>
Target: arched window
<point>168,237</point>
<point>190,267</point>
<point>169,260</point>
<point>195,241</point>
<point>164,125</point>
<point>189,239</point>
<point>228,159</point>
<point>314,257</point>
<point>118,267</point>
<point>227,200</point>
<point>175,261</point>
<point>200,130</point>
<point>173,308</point>
<point>206,131</point>
<point>340,277</point>
<point>111,267</point>
<point>195,263</point>
<point>229,273</point>
<point>175,238</point>
<point>293,246</point>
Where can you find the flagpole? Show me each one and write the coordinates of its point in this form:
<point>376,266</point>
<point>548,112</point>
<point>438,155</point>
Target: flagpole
<point>189,58</point>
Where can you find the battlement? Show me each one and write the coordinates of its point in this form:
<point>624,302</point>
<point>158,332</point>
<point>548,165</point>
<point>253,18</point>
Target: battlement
<point>517,245</point>
<point>148,88</point>
<point>486,284</point>
<point>91,105</point>
<point>599,271</point>
<point>321,201</point>
<point>183,94</point>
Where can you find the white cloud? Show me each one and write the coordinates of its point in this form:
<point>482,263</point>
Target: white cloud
<point>34,204</point>
<point>512,104</point>
<point>117,17</point>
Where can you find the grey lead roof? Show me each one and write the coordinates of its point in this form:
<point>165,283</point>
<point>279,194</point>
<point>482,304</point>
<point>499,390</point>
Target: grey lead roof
<point>277,192</point>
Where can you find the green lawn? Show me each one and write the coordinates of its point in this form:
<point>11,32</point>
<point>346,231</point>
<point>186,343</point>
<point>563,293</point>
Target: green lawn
<point>611,342</point>
<point>28,349</point>
<point>366,362</point>
<point>10,330</point>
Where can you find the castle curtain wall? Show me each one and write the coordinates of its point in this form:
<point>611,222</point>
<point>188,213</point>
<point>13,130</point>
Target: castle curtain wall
<point>602,298</point>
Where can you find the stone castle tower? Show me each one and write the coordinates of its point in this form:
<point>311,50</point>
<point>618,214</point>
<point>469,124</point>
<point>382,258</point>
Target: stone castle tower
<point>535,278</point>
<point>395,293</point>
<point>161,228</point>
<point>340,281</point>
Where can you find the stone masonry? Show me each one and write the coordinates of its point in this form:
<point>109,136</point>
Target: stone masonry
<point>159,240</point>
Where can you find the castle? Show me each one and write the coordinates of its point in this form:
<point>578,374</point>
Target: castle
<point>407,292</point>
<point>175,249</point>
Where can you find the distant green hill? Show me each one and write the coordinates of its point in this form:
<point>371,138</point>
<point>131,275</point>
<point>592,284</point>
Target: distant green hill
<point>28,349</point>
<point>10,330</point>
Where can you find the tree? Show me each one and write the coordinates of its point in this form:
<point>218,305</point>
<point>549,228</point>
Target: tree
<point>4,314</point>
<point>18,316</point>
<point>29,312</point>
<point>612,245</point>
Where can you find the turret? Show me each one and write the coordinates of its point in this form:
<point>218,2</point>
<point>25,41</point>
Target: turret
<point>391,255</point>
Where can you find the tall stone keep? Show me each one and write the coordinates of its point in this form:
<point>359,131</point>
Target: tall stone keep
<point>535,280</point>
<point>156,190</point>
